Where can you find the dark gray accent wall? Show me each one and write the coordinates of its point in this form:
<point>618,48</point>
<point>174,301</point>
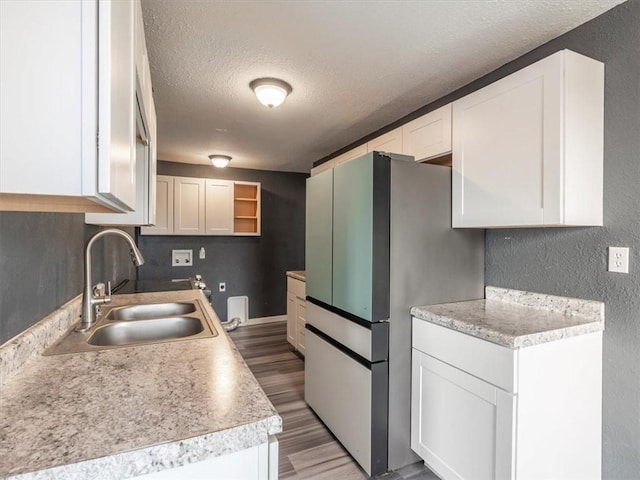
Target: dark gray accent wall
<point>251,266</point>
<point>41,265</point>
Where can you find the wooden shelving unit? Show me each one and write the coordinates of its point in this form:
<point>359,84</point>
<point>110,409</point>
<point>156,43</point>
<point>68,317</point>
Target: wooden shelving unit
<point>246,208</point>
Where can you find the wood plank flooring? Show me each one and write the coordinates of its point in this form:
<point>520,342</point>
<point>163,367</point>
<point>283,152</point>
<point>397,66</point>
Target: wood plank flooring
<point>308,451</point>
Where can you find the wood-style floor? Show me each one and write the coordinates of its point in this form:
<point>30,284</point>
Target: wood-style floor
<point>308,451</point>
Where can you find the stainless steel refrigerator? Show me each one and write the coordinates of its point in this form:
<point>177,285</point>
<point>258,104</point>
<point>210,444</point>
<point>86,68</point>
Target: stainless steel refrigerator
<point>378,241</point>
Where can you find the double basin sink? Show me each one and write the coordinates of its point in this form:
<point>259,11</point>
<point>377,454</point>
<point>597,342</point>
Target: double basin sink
<point>138,324</point>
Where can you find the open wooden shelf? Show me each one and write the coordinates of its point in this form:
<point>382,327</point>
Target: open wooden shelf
<point>246,208</point>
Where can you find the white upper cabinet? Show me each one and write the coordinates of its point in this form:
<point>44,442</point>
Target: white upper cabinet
<point>219,207</point>
<point>145,143</point>
<point>428,136</point>
<point>188,213</point>
<point>205,206</point>
<point>67,120</point>
<point>388,142</point>
<point>528,149</point>
<point>350,155</point>
<point>163,224</point>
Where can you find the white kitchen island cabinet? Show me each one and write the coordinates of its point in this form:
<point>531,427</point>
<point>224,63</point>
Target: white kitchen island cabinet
<point>528,149</point>
<point>528,408</point>
<point>67,120</point>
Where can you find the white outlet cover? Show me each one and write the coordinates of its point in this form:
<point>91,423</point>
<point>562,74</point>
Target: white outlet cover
<point>619,259</point>
<point>181,258</point>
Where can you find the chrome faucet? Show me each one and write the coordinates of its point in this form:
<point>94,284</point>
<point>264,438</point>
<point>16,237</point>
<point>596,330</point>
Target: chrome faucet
<point>93,297</point>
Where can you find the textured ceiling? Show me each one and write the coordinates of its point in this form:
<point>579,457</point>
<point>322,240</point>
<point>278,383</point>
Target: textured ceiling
<point>355,66</point>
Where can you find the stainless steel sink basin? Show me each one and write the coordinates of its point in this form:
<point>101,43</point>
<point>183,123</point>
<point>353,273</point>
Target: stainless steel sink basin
<point>130,333</point>
<point>126,325</point>
<point>148,311</point>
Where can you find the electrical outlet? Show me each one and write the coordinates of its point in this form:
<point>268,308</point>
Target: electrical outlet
<point>619,259</point>
<point>181,258</point>
<point>203,254</point>
<point>222,287</point>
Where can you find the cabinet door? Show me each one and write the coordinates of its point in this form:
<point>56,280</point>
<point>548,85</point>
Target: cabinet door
<point>292,320</point>
<point>116,94</point>
<point>428,136</point>
<point>388,142</point>
<point>463,427</point>
<point>164,208</point>
<point>318,236</point>
<point>350,155</point>
<point>219,207</point>
<point>188,213</point>
<point>301,321</point>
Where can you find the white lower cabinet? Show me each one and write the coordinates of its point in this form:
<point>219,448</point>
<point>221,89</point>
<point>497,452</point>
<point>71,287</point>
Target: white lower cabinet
<point>296,313</point>
<point>255,463</point>
<point>462,425</point>
<point>484,411</point>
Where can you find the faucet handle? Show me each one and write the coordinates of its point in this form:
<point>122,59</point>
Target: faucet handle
<point>98,290</point>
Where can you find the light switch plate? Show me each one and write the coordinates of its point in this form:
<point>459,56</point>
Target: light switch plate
<point>181,258</point>
<point>619,259</point>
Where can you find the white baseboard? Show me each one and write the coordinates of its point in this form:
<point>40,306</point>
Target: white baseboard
<point>273,319</point>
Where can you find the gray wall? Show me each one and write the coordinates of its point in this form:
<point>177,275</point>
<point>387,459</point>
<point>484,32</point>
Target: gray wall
<point>41,265</point>
<point>573,261</point>
<point>252,266</point>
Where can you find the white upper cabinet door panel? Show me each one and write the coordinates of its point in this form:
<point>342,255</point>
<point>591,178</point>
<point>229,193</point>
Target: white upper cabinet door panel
<point>428,136</point>
<point>189,205</point>
<point>41,123</point>
<point>219,207</point>
<point>390,142</point>
<point>67,117</point>
<point>116,95</point>
<point>350,155</point>
<point>518,147</point>
<point>163,222</point>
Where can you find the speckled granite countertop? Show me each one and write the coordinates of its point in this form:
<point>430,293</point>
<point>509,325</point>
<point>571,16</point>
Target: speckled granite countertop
<point>298,275</point>
<point>515,319</point>
<point>129,411</point>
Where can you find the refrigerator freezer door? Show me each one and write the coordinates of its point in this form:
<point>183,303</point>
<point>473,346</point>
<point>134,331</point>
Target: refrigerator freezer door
<point>351,399</point>
<point>319,231</point>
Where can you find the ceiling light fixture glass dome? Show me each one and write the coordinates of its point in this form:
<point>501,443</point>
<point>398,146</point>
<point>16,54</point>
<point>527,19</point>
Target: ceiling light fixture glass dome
<point>220,161</point>
<point>270,91</point>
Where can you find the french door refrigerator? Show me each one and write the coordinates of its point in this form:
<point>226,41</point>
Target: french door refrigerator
<point>378,241</point>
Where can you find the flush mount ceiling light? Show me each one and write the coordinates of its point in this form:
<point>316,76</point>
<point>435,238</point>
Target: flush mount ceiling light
<point>270,91</point>
<point>220,161</point>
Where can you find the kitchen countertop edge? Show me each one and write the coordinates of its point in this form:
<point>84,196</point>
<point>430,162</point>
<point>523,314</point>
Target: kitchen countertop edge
<point>495,318</point>
<point>298,275</point>
<point>143,459</point>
